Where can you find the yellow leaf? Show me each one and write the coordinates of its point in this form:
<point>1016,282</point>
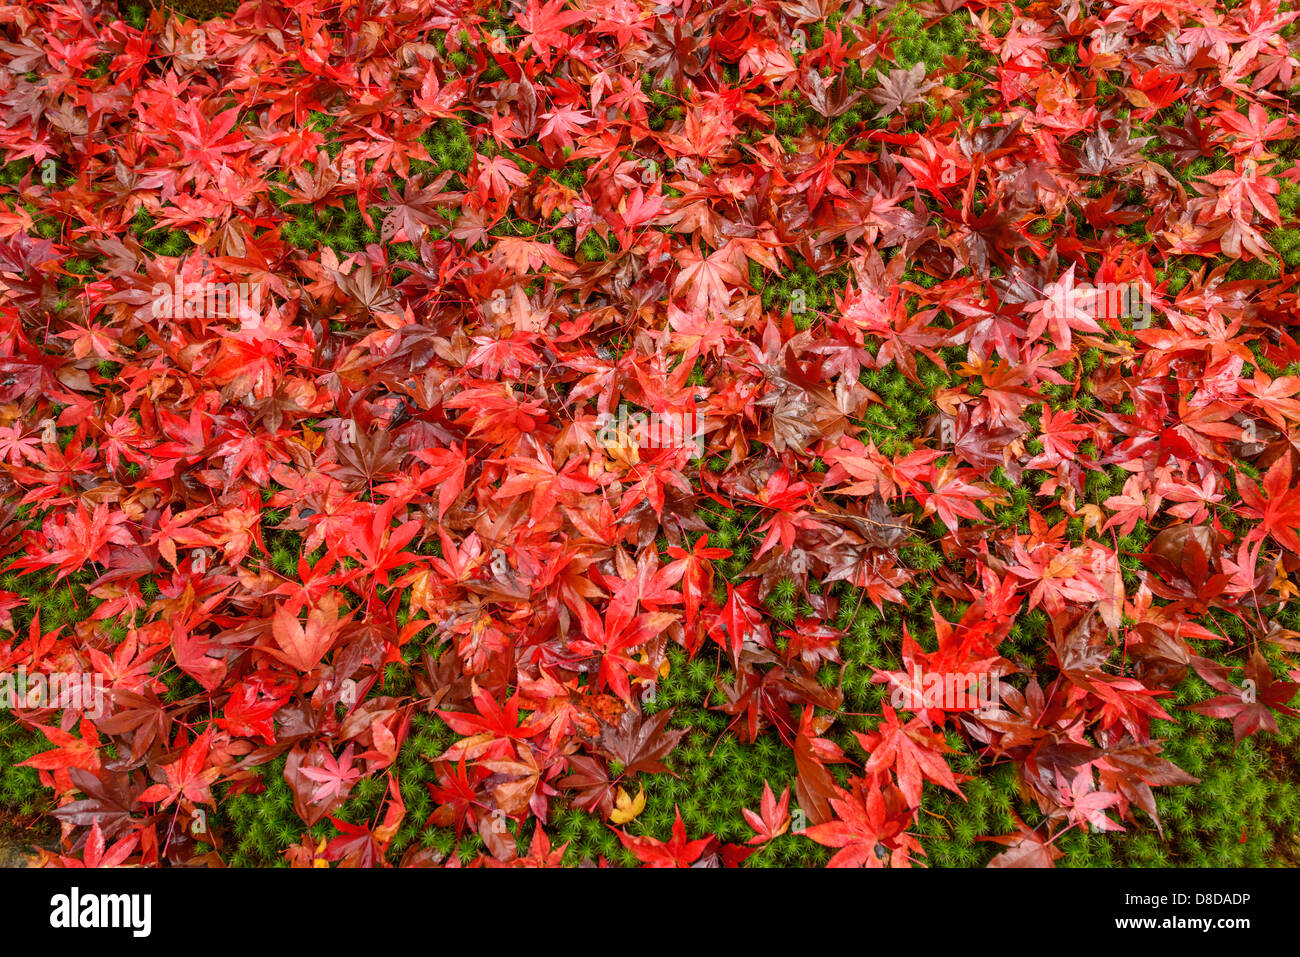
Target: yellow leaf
<point>627,808</point>
<point>1093,516</point>
<point>996,496</point>
<point>622,455</point>
<point>1283,585</point>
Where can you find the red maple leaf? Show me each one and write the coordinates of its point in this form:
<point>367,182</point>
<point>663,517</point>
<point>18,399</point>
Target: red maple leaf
<point>912,751</point>
<point>677,852</point>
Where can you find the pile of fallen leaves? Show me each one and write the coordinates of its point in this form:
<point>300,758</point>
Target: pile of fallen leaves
<point>458,246</point>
